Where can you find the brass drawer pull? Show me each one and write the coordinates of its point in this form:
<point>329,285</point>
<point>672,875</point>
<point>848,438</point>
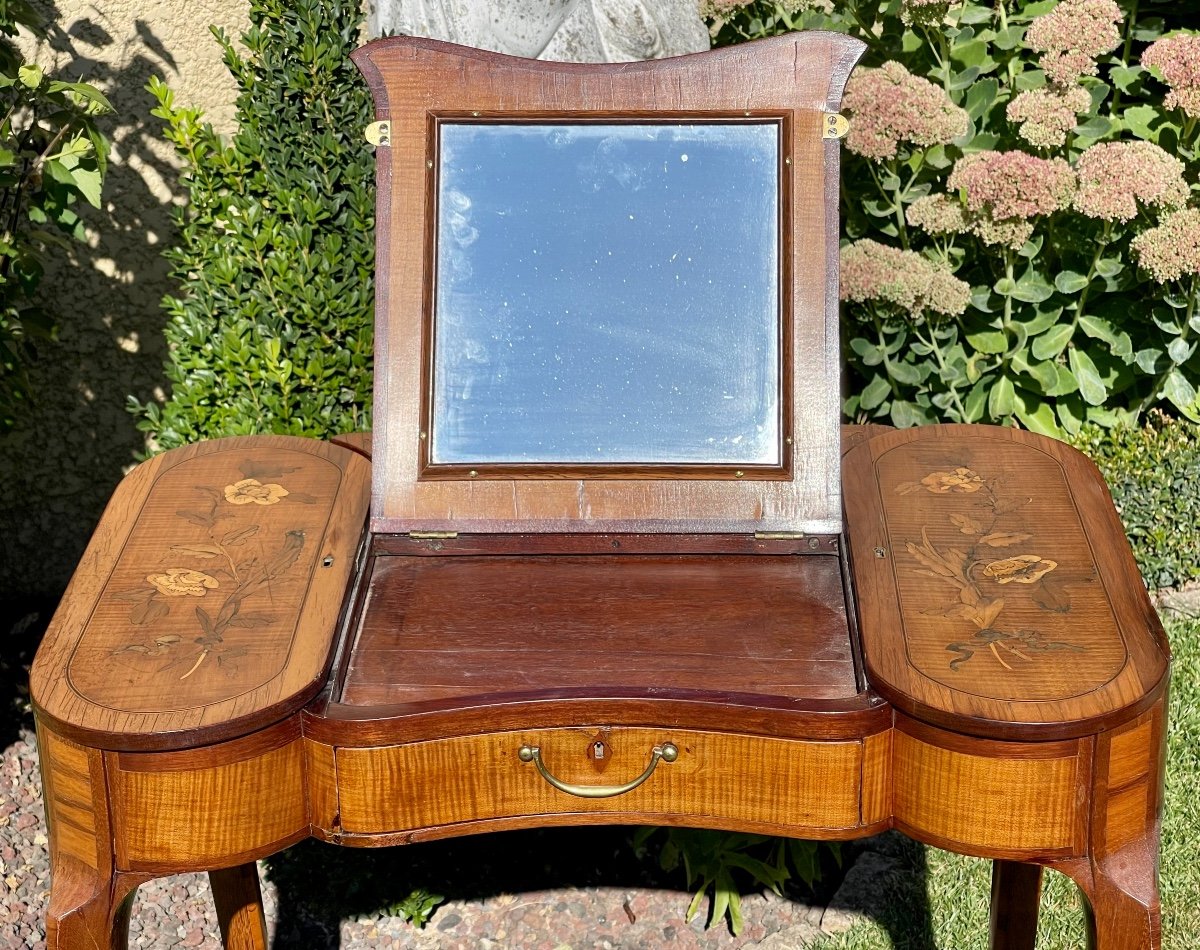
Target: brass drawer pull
<point>668,752</point>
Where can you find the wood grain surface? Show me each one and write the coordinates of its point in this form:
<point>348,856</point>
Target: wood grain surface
<point>441,629</point>
<point>996,592</point>
<point>721,778</point>
<point>793,79</point>
<point>206,602</point>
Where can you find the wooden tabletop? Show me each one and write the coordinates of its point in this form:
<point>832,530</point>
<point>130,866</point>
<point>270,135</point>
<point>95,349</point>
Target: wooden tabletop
<point>206,602</point>
<point>997,593</point>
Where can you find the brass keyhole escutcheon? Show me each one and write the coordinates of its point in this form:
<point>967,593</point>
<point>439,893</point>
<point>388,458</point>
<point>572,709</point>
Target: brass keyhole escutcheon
<point>598,750</point>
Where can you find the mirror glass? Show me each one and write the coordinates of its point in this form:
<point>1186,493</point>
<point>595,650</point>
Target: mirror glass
<point>607,293</point>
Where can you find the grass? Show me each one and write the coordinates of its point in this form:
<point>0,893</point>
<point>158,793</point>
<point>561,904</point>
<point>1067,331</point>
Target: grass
<point>957,887</point>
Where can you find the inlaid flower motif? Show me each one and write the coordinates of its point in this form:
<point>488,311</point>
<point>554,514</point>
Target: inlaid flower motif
<point>961,481</point>
<point>1022,568</point>
<point>252,491</point>
<point>182,582</point>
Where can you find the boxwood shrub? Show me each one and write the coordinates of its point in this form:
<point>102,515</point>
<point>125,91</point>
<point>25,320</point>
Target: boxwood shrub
<point>271,328</point>
<point>1152,473</point>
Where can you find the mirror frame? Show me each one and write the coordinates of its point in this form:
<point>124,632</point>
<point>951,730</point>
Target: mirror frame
<point>429,469</point>
<point>417,84</point>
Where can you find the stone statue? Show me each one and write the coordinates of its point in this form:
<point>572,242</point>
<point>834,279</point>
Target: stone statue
<point>566,30</point>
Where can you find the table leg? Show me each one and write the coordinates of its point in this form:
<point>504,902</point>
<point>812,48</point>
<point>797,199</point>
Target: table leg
<point>88,909</point>
<point>1016,896</point>
<point>238,897</point>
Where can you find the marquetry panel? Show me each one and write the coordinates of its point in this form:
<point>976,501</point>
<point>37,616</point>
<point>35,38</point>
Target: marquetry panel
<point>996,591</point>
<point>206,602</point>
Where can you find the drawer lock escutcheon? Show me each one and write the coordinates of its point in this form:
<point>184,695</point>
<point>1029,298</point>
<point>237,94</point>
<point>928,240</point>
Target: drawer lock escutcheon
<point>667,752</point>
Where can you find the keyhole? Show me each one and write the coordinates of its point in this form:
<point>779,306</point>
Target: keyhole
<point>598,749</point>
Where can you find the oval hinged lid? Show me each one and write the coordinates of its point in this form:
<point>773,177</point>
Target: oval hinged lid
<point>206,603</point>
<point>996,591</point>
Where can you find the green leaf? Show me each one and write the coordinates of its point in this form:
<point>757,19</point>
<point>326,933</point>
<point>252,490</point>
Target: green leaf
<point>1091,385</point>
<point>1042,322</point>
<point>1070,282</point>
<point>30,75</point>
<point>1123,77</point>
<point>1070,413</point>
<point>1147,360</point>
<point>1140,119</point>
<point>1052,342</point>
<point>963,79</point>
<point>981,96</point>
<point>989,341</point>
<point>1032,289</point>
<point>1001,401</point>
<point>1109,266</point>
<point>1180,350</point>
<point>1094,128</point>
<point>1181,394</point>
<point>1046,375</point>
<point>906,373</point>
<point>1040,420</point>
<point>874,393</point>
<point>905,415</point>
<point>1119,343</point>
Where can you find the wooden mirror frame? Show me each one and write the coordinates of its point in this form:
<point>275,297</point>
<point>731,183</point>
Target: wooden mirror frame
<point>782,79</point>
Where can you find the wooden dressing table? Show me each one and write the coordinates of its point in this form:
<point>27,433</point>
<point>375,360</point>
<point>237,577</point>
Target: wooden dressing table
<point>620,565</point>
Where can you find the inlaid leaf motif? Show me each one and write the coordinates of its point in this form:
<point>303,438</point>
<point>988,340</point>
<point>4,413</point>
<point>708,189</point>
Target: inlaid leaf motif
<point>197,550</point>
<point>980,527</point>
<point>239,536</point>
<point>966,524</point>
<point>1002,539</point>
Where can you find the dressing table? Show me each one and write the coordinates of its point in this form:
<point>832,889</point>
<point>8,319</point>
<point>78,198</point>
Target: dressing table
<point>608,556</point>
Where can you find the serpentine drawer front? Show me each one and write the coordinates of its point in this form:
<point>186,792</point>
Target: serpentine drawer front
<point>711,779</point>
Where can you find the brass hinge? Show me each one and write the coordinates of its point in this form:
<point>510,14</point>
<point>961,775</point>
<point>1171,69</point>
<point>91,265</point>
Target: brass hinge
<point>432,535</point>
<point>834,126</point>
<point>379,133</point>
<point>778,535</point>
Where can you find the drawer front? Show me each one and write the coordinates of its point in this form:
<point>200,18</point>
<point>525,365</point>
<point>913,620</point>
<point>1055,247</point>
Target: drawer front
<point>726,779</point>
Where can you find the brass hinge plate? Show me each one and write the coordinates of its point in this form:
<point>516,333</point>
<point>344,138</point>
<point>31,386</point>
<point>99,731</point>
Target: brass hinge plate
<point>834,126</point>
<point>778,535</point>
<point>433,535</point>
<point>379,133</point>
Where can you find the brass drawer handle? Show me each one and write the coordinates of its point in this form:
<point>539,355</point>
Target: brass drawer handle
<point>667,752</point>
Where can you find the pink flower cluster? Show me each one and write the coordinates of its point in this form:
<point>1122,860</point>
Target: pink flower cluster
<point>1072,35</point>
<point>924,11</point>
<point>1172,249</point>
<point>911,283</point>
<point>1114,176</point>
<point>938,214</point>
<point>1178,59</point>
<point>1005,189</point>
<point>1048,114</point>
<point>890,105</point>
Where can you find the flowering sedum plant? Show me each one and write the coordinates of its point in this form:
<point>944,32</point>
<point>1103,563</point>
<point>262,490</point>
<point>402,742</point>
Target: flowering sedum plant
<point>1022,223</point>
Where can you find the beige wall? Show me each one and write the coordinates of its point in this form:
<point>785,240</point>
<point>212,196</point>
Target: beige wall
<point>58,468</point>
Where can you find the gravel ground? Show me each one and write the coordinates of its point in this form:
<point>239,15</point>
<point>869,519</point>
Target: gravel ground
<point>563,905</point>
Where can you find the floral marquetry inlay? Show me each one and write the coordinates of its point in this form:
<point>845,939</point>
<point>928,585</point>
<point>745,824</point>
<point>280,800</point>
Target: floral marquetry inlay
<point>207,591</point>
<point>996,579</point>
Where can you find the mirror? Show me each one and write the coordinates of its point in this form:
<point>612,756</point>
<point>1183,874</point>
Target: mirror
<point>607,294</point>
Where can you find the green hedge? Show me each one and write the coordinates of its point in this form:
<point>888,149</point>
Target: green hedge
<point>271,329</point>
<point>1154,475</point>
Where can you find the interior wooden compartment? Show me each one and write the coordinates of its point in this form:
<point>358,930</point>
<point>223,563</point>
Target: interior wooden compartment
<point>436,631</point>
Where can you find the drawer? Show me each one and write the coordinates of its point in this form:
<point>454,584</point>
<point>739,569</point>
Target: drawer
<point>718,779</point>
